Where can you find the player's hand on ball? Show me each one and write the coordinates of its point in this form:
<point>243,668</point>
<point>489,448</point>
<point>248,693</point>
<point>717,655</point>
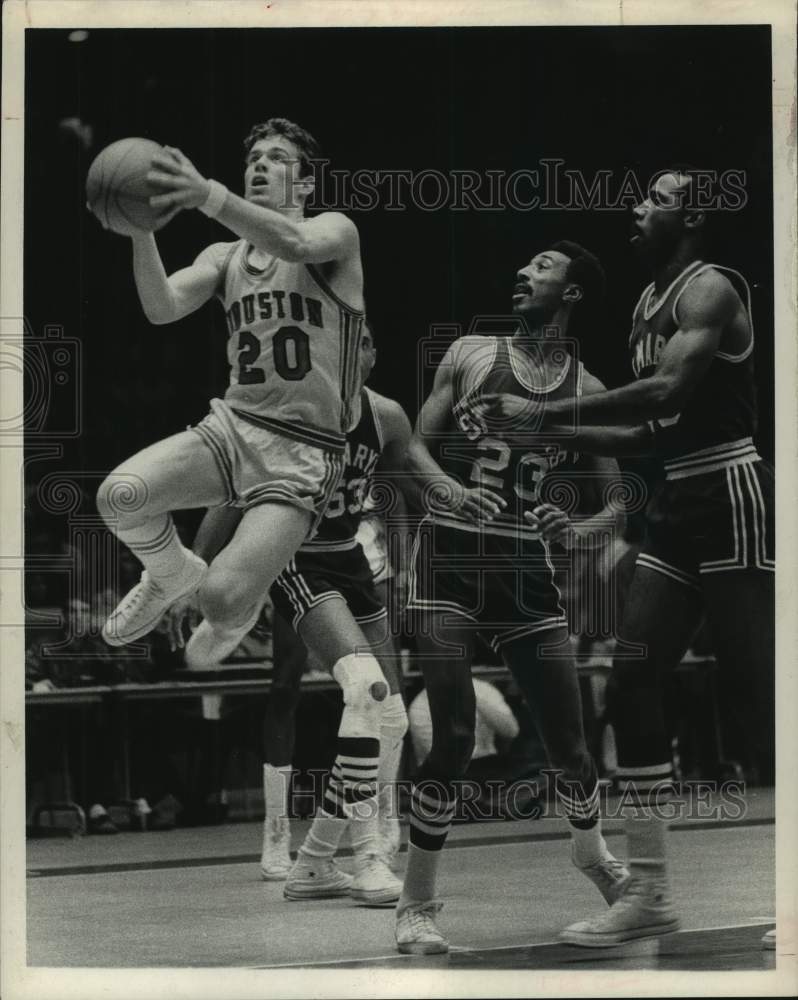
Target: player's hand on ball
<point>183,185</point>
<point>553,524</point>
<point>186,610</point>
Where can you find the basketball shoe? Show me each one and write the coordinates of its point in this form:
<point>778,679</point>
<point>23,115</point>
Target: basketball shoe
<point>644,909</point>
<point>316,878</point>
<point>417,932</point>
<point>143,607</point>
<point>374,883</point>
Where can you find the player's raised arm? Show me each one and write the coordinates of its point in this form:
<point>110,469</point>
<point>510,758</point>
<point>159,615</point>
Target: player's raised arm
<point>441,491</point>
<point>324,238</point>
<point>278,228</point>
<point>167,298</point>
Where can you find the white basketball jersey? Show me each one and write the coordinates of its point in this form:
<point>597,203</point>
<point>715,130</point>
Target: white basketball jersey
<point>293,347</point>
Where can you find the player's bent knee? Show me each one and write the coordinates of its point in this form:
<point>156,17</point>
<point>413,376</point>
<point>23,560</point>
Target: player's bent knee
<point>221,600</point>
<point>122,499</point>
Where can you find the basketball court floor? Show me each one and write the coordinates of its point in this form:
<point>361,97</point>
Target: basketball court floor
<point>193,898</point>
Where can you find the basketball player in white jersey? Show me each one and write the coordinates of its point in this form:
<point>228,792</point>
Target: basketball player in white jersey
<point>291,289</point>
<point>327,595</point>
<point>292,292</point>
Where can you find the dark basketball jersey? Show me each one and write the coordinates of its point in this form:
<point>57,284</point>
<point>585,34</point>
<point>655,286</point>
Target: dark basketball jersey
<point>717,423</point>
<point>362,451</point>
<point>474,456</point>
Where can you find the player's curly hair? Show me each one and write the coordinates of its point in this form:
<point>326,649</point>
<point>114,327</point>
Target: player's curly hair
<point>584,270</point>
<point>309,149</point>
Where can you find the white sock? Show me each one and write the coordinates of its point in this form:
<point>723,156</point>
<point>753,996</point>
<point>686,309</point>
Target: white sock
<point>158,546</point>
<point>645,836</point>
<point>276,783</point>
<point>393,726</point>
<point>589,845</point>
<point>324,836</point>
<point>420,876</point>
<point>364,833</point>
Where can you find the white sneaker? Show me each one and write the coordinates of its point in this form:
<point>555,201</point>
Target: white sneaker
<point>416,931</point>
<point>143,607</point>
<point>769,940</point>
<point>374,882</point>
<point>316,878</point>
<point>643,910</point>
<point>608,875</point>
<point>275,859</point>
<point>210,644</point>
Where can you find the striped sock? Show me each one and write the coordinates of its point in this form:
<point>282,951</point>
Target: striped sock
<point>643,785</point>
<point>158,546</point>
<point>352,789</point>
<point>432,805</point>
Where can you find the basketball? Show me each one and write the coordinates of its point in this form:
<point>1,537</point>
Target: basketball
<point>117,189</point>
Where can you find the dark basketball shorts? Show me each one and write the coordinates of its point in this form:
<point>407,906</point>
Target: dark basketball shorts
<point>712,522</point>
<point>502,585</point>
<point>311,578</point>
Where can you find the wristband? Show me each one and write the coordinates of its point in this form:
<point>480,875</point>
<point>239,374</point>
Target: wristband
<point>217,193</point>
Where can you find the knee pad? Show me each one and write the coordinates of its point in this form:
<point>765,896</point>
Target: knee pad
<point>364,689</point>
<point>361,680</point>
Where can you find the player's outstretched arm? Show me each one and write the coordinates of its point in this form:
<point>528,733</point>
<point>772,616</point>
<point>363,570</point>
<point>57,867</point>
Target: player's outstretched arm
<point>607,442</point>
<point>440,491</point>
<point>328,237</point>
<point>167,298</point>
<point>704,308</point>
<point>529,429</point>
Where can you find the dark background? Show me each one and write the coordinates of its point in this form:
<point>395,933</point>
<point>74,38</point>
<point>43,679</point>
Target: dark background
<point>453,98</point>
